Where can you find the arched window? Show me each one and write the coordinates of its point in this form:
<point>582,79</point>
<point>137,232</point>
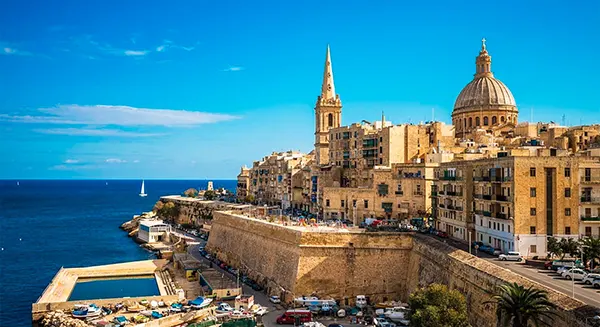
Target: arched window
<point>477,121</point>
<point>494,120</point>
<point>485,121</point>
<point>502,119</point>
<point>465,123</point>
<point>330,120</point>
<point>470,121</point>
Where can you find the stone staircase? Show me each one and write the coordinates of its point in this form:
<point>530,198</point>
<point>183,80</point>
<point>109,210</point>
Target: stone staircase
<point>168,282</point>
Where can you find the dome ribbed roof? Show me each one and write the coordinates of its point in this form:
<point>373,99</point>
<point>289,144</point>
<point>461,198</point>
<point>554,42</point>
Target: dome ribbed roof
<point>484,91</point>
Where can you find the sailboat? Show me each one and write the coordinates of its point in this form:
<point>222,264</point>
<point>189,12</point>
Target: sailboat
<point>143,192</point>
<point>18,183</point>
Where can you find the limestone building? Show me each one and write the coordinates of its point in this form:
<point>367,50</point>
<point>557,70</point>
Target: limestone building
<point>485,102</point>
<point>243,183</point>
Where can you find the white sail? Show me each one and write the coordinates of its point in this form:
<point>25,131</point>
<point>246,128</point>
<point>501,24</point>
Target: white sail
<point>143,192</point>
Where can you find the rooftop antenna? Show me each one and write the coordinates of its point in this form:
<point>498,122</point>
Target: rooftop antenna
<point>432,114</point>
<point>563,122</point>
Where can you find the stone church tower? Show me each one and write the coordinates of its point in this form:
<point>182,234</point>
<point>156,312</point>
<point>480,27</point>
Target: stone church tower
<point>328,113</point>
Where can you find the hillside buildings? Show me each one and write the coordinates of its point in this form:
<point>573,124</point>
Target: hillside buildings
<point>484,178</point>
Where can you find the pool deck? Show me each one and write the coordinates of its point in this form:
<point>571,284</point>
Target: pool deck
<point>64,281</point>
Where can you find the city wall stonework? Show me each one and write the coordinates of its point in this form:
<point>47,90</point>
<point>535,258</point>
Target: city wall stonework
<point>292,262</point>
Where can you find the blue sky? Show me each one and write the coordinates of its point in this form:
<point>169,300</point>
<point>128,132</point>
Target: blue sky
<point>195,89</point>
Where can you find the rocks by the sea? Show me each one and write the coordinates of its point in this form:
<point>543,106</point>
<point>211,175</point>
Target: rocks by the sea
<point>61,319</point>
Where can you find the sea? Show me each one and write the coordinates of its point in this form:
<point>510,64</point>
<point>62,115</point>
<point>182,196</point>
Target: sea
<point>49,224</point>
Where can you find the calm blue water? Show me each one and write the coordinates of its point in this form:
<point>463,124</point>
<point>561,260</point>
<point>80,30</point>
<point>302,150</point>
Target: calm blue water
<point>48,224</point>
<point>113,288</point>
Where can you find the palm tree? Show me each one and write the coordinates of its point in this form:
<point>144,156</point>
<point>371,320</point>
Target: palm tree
<point>517,305</point>
<point>591,249</point>
<point>554,248</point>
<point>569,246</point>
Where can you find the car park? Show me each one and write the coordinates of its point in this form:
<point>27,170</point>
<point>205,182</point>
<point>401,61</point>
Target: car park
<point>511,256</point>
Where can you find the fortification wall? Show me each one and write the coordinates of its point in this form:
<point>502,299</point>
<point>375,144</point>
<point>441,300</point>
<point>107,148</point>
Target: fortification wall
<point>293,262</point>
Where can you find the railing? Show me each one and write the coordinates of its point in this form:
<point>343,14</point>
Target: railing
<point>590,179</point>
<point>478,196</point>
<point>442,205</point>
<point>399,193</point>
<point>451,178</point>
<point>481,178</point>
<point>501,198</point>
<point>501,215</point>
<point>590,199</point>
<point>487,213</point>
<point>584,218</point>
<point>487,196</point>
<point>450,206</point>
<point>434,193</point>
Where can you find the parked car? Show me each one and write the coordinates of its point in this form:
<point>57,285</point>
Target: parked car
<point>574,273</point>
<point>442,234</point>
<point>290,316</point>
<point>486,249</point>
<point>589,278</point>
<point>477,243</point>
<point>274,299</point>
<point>556,264</point>
<point>511,256</point>
<point>596,283</point>
<point>257,287</point>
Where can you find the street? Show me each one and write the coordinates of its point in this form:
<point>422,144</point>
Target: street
<point>548,278</point>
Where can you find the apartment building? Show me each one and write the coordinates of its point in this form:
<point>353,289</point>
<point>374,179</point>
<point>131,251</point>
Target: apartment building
<point>589,191</point>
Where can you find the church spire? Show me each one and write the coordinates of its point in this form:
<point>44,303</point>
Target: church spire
<point>483,63</point>
<point>328,88</point>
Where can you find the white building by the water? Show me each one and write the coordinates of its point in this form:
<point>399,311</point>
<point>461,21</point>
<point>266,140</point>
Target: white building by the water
<point>152,231</point>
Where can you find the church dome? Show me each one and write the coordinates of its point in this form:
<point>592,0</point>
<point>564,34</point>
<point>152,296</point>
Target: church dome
<point>484,91</point>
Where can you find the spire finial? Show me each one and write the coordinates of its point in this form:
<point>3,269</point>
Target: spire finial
<point>328,88</point>
<point>483,44</point>
<point>483,62</point>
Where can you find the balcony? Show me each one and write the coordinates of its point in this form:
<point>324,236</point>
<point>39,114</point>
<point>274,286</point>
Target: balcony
<point>487,196</point>
<point>501,179</point>
<point>399,193</point>
<point>501,215</point>
<point>590,179</point>
<point>442,205</point>
<point>590,200</point>
<point>481,178</point>
<point>454,193</point>
<point>434,193</point>
<point>451,178</point>
<point>477,196</point>
<point>590,218</point>
<point>502,198</point>
<point>483,213</point>
<point>450,206</point>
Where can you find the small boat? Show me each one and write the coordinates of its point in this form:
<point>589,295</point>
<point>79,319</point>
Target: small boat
<point>396,313</point>
<point>120,320</point>
<point>161,304</point>
<point>156,315</point>
<point>223,308</point>
<point>147,313</point>
<point>106,311</point>
<point>153,304</point>
<point>118,306</point>
<point>143,191</point>
<point>140,319</point>
<point>136,307</point>
<point>18,184</point>
<point>176,307</point>
<point>200,302</point>
<point>86,311</point>
<point>341,313</point>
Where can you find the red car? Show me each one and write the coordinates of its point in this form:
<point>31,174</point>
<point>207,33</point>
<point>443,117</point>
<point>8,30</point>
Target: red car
<point>442,234</point>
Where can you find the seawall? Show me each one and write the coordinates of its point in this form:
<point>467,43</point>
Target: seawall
<point>294,261</point>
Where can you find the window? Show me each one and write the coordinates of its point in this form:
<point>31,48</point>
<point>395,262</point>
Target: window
<point>532,172</point>
<point>494,120</point>
<point>470,121</point>
<point>532,192</point>
<point>508,226</point>
<point>533,248</point>
<point>567,212</point>
<point>419,190</point>
<point>588,231</point>
<point>477,121</point>
<point>532,230</point>
<point>567,172</point>
<point>366,204</point>
<point>343,204</point>
<point>485,121</point>
<point>532,212</point>
<point>502,118</point>
<point>330,120</point>
<point>567,192</point>
<point>327,202</point>
<point>567,230</point>
<point>354,203</point>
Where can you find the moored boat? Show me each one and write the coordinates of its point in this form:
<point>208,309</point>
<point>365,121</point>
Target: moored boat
<point>86,311</point>
<point>200,302</point>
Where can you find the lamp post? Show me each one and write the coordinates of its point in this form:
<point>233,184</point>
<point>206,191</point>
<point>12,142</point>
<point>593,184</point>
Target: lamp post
<point>573,269</point>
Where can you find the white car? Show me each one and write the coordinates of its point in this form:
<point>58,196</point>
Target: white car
<point>589,278</point>
<point>575,273</point>
<point>596,283</point>
<point>511,256</point>
<point>275,299</point>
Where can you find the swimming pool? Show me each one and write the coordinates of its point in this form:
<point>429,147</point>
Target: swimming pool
<point>114,288</point>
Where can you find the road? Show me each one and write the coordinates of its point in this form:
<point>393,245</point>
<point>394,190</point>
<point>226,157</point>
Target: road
<point>548,278</point>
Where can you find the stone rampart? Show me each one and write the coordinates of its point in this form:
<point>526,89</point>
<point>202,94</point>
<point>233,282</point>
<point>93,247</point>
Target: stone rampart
<point>293,261</point>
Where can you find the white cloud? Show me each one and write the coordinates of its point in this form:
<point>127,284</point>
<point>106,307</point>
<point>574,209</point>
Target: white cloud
<point>94,132</point>
<point>71,167</point>
<point>161,48</point>
<point>71,161</point>
<point>115,161</point>
<point>136,161</point>
<point>117,115</point>
<point>8,49</point>
<point>233,69</point>
<point>136,52</point>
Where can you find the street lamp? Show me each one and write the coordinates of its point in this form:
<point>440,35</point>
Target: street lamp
<point>572,269</point>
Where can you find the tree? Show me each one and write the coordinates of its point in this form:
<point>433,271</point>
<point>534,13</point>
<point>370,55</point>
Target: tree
<point>569,246</point>
<point>554,248</point>
<point>169,210</point>
<point>249,198</point>
<point>518,306</point>
<point>436,305</point>
<point>591,249</point>
<point>158,206</point>
<point>210,195</point>
<point>191,193</point>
